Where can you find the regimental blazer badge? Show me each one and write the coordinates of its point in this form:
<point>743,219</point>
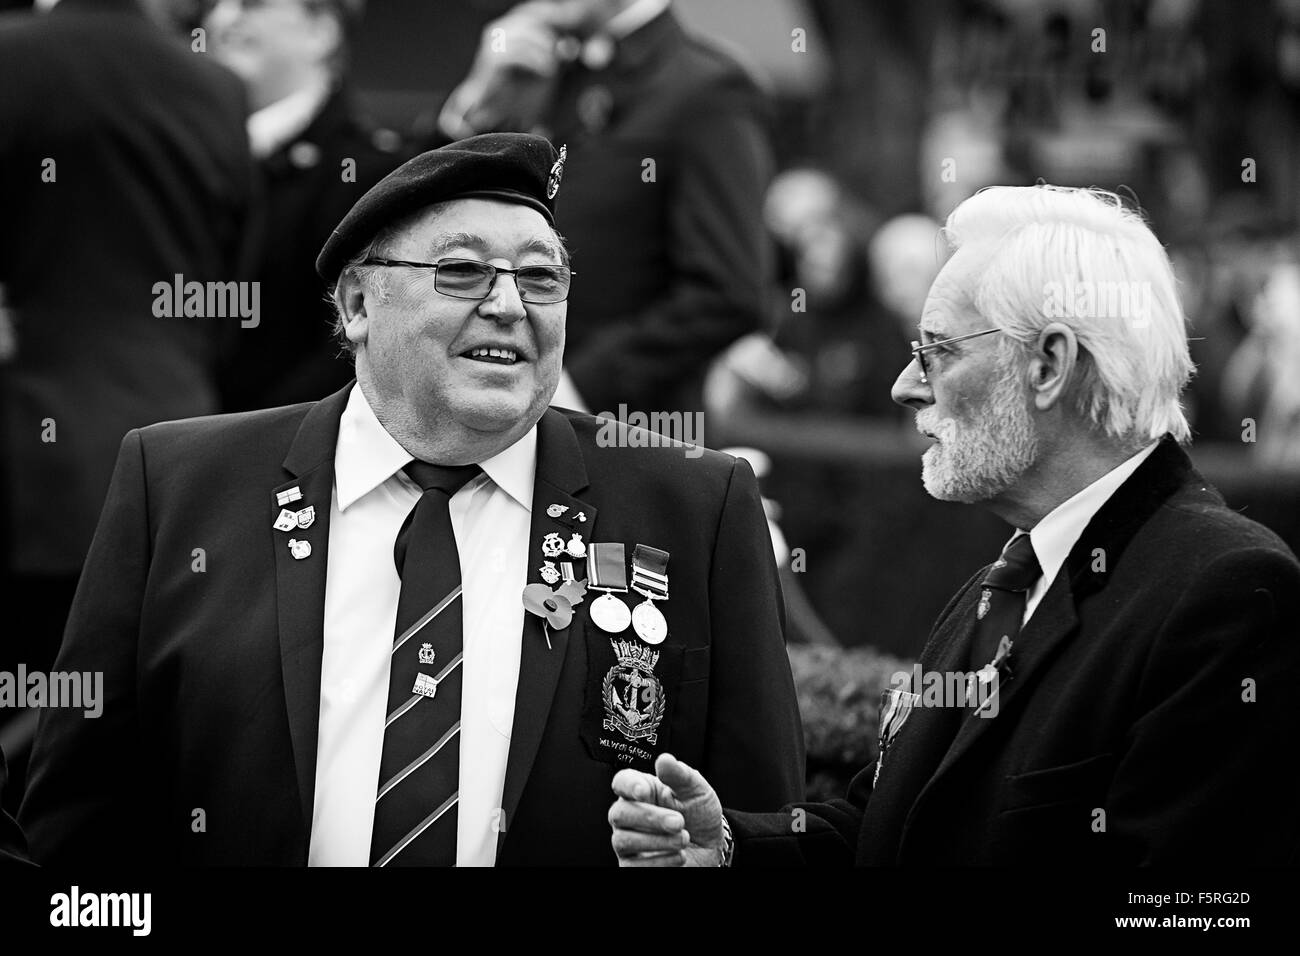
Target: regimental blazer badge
<point>634,697</point>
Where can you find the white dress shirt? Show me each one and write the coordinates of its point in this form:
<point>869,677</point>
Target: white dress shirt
<point>1055,535</point>
<point>490,517</point>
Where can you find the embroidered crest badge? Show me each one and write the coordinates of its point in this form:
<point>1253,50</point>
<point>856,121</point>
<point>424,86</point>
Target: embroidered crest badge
<point>634,697</point>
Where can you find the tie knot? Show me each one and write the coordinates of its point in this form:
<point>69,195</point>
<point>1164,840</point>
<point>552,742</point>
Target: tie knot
<point>446,478</point>
<point>1017,569</point>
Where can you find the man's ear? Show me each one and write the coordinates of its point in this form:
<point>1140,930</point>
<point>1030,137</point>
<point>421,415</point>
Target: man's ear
<point>353,301</point>
<point>1052,364</point>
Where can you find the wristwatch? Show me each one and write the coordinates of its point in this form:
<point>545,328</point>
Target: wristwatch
<point>728,844</point>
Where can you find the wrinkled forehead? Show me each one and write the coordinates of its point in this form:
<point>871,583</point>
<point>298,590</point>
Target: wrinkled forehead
<point>950,306</point>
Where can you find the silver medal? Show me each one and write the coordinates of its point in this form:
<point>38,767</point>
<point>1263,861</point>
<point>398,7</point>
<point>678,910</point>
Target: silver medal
<point>649,623</point>
<point>610,614</point>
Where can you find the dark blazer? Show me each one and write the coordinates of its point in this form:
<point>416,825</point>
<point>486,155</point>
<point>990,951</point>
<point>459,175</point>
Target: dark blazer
<point>212,678</point>
<point>151,179</point>
<point>1151,716</point>
<point>292,355</point>
<point>670,272</point>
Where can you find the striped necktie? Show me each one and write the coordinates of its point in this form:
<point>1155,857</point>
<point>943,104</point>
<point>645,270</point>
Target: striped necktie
<point>419,774</point>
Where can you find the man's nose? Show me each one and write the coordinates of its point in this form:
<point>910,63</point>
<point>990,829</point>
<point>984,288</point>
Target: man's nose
<point>908,388</point>
<point>503,303</point>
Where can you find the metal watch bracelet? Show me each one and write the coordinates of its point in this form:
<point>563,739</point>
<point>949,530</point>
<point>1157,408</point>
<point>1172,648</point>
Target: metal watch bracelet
<point>728,843</point>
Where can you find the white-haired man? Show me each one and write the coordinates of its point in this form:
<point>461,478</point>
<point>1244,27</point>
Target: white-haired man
<point>1135,648</point>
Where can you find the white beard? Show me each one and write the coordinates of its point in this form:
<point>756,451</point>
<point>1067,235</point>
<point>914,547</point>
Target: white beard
<point>981,460</point>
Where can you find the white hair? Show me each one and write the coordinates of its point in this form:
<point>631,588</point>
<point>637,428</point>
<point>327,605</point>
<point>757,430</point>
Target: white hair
<point>1054,250</point>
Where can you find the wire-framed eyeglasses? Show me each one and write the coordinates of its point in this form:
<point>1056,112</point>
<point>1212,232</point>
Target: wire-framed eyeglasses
<point>919,350</point>
<point>471,279</point>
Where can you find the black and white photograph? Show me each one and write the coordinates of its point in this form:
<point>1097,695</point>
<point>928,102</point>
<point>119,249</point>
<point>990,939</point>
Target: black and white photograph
<point>855,442</point>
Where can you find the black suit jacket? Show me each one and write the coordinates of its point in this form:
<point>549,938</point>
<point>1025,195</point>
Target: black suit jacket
<point>151,178</point>
<point>670,271</point>
<point>1151,717</point>
<point>292,355</point>
<point>212,678</point>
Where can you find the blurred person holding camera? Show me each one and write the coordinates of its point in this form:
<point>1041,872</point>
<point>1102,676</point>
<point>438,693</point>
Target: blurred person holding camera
<point>668,143</point>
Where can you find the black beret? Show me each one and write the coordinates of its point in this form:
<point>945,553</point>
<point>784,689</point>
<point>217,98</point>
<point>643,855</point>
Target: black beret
<point>512,167</point>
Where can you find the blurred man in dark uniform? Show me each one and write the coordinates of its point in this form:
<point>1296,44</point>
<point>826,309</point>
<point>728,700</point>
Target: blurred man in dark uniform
<point>317,156</point>
<point>668,146</point>
<point>122,164</point>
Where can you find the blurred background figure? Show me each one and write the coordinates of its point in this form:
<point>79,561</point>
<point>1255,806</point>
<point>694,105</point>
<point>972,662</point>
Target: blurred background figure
<point>668,158</point>
<point>846,302</point>
<point>316,155</point>
<point>123,163</point>
<point>905,257</point>
<point>1262,380</point>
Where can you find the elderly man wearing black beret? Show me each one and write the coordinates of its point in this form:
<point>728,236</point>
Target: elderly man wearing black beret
<point>425,620</point>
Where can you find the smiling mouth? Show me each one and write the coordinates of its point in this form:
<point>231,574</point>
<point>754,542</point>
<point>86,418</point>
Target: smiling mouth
<point>492,356</point>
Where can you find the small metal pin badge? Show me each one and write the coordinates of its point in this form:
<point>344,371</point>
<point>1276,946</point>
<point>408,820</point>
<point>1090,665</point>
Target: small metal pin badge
<point>288,496</point>
<point>983,609</point>
<point>576,548</point>
<point>299,549</point>
<point>552,545</point>
<point>425,686</point>
<point>556,174</point>
<point>554,511</point>
<point>427,654</point>
<point>287,520</point>
<point>1000,666</point>
<point>550,573</point>
<point>306,517</point>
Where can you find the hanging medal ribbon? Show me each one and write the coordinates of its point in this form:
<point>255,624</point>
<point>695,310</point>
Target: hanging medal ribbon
<point>606,571</point>
<point>895,707</point>
<point>650,579</point>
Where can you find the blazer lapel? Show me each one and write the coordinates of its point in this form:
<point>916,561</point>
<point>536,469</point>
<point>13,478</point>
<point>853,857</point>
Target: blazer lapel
<point>300,582</point>
<point>560,474</point>
<point>924,737</point>
<point>1053,622</point>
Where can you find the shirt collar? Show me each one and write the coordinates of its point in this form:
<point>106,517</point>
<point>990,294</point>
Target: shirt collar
<point>1056,533</point>
<point>275,124</point>
<point>514,469</point>
<point>366,456</point>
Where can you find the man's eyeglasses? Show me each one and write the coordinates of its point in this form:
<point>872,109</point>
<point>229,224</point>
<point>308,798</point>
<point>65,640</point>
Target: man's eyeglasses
<point>471,279</point>
<point>919,350</point>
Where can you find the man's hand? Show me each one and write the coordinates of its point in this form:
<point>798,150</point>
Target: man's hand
<point>671,819</point>
<point>510,82</point>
